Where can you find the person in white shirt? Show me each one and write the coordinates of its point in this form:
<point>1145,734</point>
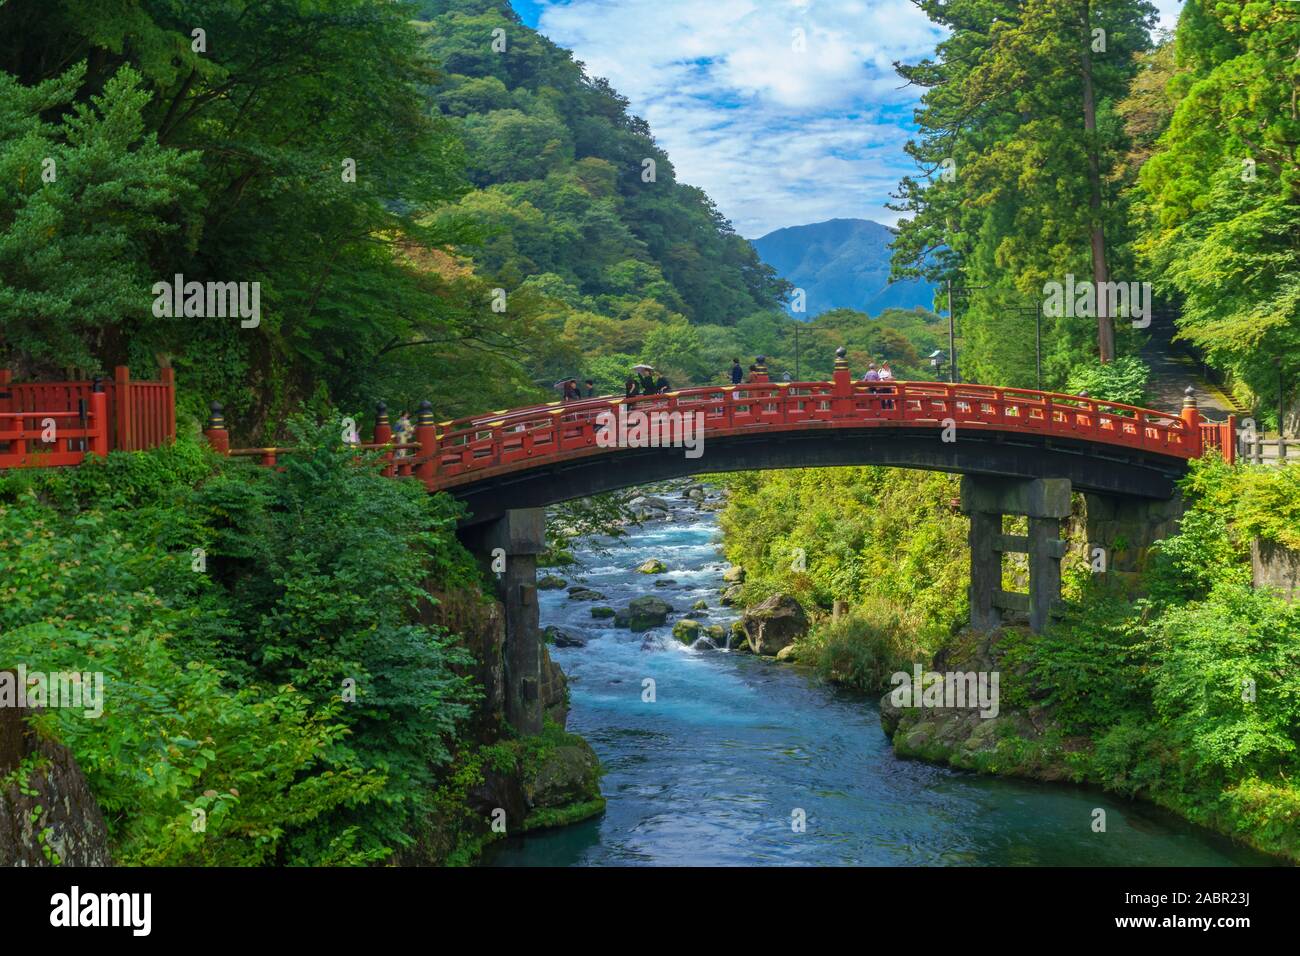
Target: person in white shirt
<point>886,374</point>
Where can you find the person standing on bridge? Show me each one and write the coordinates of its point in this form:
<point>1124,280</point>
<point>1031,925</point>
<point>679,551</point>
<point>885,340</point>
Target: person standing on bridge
<point>591,388</point>
<point>631,388</point>
<point>737,373</point>
<point>646,379</point>
<point>871,374</point>
<point>403,433</point>
<point>886,374</point>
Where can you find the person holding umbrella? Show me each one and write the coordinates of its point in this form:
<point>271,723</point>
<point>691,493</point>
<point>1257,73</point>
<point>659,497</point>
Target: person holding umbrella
<point>646,378</point>
<point>569,389</point>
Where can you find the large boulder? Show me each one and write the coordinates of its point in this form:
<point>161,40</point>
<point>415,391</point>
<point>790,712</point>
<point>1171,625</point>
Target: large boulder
<point>585,594</point>
<point>644,613</point>
<point>602,612</point>
<point>776,623</point>
<point>550,583</point>
<point>734,574</point>
<point>567,774</point>
<point>686,631</point>
<point>652,566</point>
<point>730,596</point>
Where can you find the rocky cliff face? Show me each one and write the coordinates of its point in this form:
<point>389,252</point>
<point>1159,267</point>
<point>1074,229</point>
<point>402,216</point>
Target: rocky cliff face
<point>48,816</point>
<point>529,783</point>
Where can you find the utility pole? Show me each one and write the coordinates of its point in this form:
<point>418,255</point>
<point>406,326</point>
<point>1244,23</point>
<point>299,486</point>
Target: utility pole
<point>1038,344</point>
<point>961,290</point>
<point>952,340</point>
<point>796,351</point>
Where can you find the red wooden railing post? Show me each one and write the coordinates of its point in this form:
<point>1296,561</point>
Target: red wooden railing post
<point>169,399</point>
<point>842,377</point>
<point>383,435</point>
<point>215,430</point>
<point>125,439</point>
<point>426,434</point>
<point>99,415</point>
<point>1228,431</point>
<point>6,397</point>
<point>842,382</point>
<point>1192,416</point>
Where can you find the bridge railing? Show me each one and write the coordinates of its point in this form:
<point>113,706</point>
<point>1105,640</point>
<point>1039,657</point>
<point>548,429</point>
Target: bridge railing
<point>472,445</point>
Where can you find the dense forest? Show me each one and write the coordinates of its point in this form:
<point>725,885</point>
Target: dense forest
<point>1058,137</point>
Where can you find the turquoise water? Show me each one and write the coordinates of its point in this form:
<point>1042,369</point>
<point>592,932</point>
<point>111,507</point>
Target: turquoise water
<point>714,771</point>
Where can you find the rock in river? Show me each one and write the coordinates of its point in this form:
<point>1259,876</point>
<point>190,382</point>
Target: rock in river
<point>643,613</point>
<point>774,624</point>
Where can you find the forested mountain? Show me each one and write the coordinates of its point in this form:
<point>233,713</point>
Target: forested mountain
<point>842,263</point>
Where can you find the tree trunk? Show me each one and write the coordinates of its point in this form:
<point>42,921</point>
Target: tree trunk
<point>1105,324</point>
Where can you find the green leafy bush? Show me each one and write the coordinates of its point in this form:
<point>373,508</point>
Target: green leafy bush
<point>1123,380</point>
<point>288,691</point>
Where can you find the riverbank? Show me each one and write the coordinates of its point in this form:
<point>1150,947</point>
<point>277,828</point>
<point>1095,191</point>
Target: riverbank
<point>1028,742</point>
<point>1186,698</point>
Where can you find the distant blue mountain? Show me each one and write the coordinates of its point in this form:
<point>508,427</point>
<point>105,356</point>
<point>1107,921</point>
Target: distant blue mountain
<point>842,263</point>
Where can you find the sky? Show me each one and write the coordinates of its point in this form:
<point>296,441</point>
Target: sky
<point>785,112</point>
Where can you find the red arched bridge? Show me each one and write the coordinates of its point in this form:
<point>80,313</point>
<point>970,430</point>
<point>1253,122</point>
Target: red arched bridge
<point>1020,452</point>
<point>542,454</point>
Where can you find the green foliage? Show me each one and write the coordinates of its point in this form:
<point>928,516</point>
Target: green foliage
<point>225,690</point>
<point>862,648</point>
<point>1123,380</point>
<point>82,203</point>
<point>1006,107</point>
<point>1221,194</point>
<point>863,532</point>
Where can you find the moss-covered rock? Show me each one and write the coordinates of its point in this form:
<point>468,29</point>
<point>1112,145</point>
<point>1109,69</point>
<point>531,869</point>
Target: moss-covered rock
<point>652,566</point>
<point>551,583</point>
<point>602,612</point>
<point>686,631</point>
<point>644,613</point>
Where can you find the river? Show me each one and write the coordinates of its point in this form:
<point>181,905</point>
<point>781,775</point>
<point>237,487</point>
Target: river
<point>714,771</point>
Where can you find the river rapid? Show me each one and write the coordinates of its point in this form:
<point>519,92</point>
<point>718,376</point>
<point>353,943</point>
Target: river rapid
<point>734,750</point>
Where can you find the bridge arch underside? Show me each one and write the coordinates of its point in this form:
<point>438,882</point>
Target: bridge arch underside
<point>1089,466</point>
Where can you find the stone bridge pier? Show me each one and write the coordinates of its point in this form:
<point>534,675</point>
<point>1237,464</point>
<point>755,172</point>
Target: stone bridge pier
<point>509,546</point>
<point>1046,503</point>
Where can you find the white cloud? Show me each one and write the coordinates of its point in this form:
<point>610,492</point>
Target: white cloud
<point>780,127</point>
<point>778,136</point>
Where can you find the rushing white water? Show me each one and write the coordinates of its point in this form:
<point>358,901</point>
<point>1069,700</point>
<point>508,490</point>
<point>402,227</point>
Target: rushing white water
<point>717,768</point>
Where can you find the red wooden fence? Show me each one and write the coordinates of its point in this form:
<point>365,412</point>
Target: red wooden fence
<point>135,416</point>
